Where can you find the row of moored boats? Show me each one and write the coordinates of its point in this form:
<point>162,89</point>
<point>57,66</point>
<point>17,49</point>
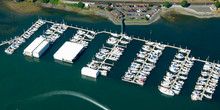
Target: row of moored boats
<point>53,33</point>
<point>178,71</point>
<point>80,36</point>
<point>207,82</point>
<point>109,53</point>
<point>142,66</point>
<point>17,41</point>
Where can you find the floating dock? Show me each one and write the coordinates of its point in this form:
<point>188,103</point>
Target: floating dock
<point>147,53</point>
<point>207,82</point>
<point>110,53</point>
<point>17,41</point>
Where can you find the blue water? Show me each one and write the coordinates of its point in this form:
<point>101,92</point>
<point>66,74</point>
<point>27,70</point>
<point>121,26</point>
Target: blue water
<point>29,84</point>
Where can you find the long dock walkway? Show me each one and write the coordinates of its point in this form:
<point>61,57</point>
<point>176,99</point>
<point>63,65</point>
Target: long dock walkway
<point>3,43</point>
<point>24,33</point>
<point>103,62</point>
<point>207,83</point>
<point>138,39</point>
<point>179,71</point>
<point>142,66</point>
<point>174,47</point>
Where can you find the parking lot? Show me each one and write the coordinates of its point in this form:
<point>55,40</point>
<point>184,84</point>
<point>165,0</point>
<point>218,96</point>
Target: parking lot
<point>130,11</point>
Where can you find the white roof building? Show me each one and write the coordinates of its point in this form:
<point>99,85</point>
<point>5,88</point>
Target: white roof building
<point>29,50</point>
<point>68,51</point>
<point>86,71</point>
<point>213,7</point>
<point>41,49</point>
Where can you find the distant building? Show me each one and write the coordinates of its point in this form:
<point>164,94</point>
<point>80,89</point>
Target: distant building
<point>117,13</point>
<point>213,7</point>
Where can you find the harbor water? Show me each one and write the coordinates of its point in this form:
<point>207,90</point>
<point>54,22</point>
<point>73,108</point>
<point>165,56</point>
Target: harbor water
<point>46,84</point>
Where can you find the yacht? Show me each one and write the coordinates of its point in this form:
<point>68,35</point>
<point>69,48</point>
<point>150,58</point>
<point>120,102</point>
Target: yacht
<point>146,48</point>
<point>179,56</point>
<point>160,46</point>
<point>195,95</point>
<point>112,40</point>
<point>139,60</point>
<point>166,91</point>
<point>90,36</point>
<point>208,96</point>
<point>124,42</point>
<point>127,37</point>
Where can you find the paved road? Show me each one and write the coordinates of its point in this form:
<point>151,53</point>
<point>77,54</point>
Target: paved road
<point>140,2</point>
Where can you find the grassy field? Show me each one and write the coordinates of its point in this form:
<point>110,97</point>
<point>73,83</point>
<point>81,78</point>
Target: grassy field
<point>22,7</point>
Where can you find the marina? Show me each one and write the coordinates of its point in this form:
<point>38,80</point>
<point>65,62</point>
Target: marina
<point>29,83</point>
<point>103,61</point>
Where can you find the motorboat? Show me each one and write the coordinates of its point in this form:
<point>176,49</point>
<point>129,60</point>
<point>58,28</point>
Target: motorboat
<point>165,91</point>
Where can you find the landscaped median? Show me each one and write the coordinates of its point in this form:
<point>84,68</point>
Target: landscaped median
<point>135,20</point>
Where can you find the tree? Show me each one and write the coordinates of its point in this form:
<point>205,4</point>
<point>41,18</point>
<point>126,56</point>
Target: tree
<point>150,5</point>
<point>147,8</point>
<point>217,4</point>
<point>146,18</point>
<point>109,8</point>
<point>184,3</point>
<point>18,0</point>
<point>44,1</point>
<point>166,4</point>
<point>31,0</point>
<point>109,3</point>
<point>54,1</point>
<point>158,5</point>
<point>80,4</point>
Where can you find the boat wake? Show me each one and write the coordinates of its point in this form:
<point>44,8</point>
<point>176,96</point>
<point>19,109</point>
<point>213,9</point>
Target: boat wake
<point>69,93</point>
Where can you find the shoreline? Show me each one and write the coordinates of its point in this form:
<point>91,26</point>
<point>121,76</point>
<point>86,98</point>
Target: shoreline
<point>163,12</point>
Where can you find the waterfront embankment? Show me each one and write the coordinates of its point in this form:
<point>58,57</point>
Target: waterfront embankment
<point>199,11</point>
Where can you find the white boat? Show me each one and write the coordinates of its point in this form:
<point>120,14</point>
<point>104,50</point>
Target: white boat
<point>90,36</point>
<point>195,96</point>
<point>149,43</point>
<point>48,31</point>
<point>165,84</point>
<point>124,42</point>
<point>93,32</point>
<point>139,60</point>
<point>112,40</point>
<point>176,91</point>
<point>160,46</point>
<point>114,34</point>
<point>183,77</point>
<point>198,87</point>
<point>183,50</point>
<point>179,56</point>
<point>208,96</point>
<point>207,66</point>
<point>146,48</point>
<point>173,69</point>
<point>127,37</point>
<point>165,91</point>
